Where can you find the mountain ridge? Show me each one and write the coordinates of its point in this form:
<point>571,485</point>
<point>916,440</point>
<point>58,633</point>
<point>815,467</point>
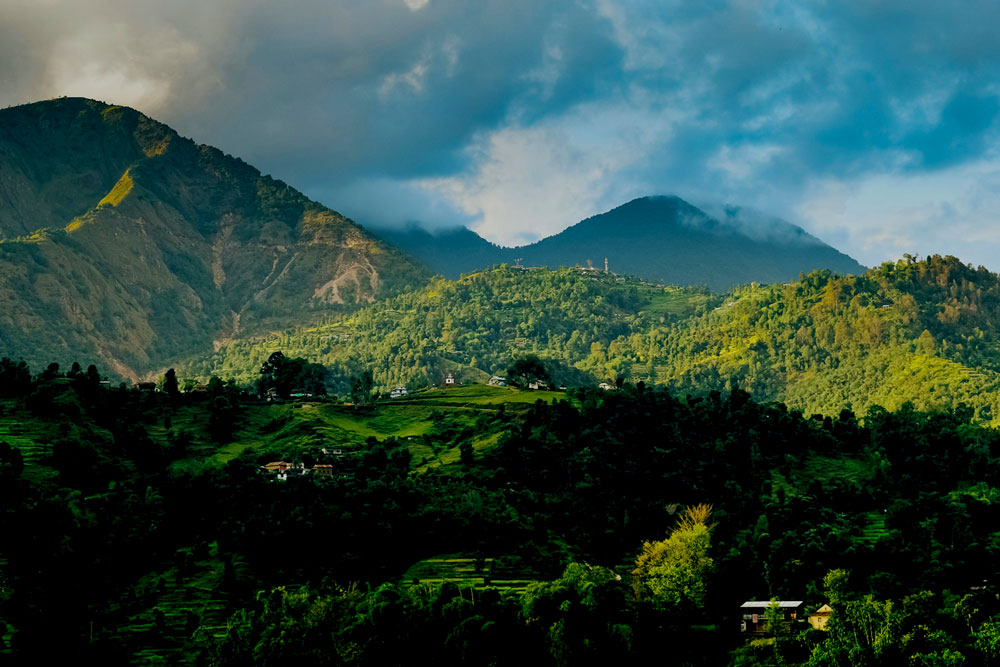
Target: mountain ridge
<point>146,246</point>
<point>660,238</point>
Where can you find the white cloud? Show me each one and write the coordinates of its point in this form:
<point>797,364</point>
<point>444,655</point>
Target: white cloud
<point>878,218</point>
<point>743,162</point>
<point>530,182</point>
<point>416,5</point>
<point>137,69</point>
<point>413,79</point>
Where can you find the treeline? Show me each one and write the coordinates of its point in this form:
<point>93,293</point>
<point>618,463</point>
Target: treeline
<point>914,331</point>
<point>597,495</point>
<point>478,326</point>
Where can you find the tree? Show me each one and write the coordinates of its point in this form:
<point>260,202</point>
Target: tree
<point>16,462</point>
<point>673,572</point>
<point>361,388</point>
<point>527,370</point>
<point>283,374</point>
<point>170,386</point>
<point>467,454</point>
<point>987,640</point>
<point>272,375</point>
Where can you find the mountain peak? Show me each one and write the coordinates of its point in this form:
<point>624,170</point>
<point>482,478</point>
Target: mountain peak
<point>158,246</point>
<point>661,237</point>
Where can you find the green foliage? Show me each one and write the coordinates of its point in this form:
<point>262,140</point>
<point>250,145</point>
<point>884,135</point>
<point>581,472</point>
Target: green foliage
<point>285,375</point>
<point>132,511</point>
<point>577,325</point>
<point>918,332</point>
<point>527,370</point>
<point>675,571</point>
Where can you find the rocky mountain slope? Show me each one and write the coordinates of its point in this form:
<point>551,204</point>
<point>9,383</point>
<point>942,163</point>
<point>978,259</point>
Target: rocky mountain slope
<point>128,244</point>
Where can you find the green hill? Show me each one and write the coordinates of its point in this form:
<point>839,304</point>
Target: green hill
<point>477,326</point>
<point>918,331</point>
<point>126,243</point>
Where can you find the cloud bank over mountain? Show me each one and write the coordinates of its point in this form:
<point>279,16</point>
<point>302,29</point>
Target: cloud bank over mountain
<point>874,125</point>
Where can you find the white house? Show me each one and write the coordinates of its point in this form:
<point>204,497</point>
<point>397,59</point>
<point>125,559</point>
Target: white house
<point>605,386</point>
<point>398,392</point>
<point>449,380</point>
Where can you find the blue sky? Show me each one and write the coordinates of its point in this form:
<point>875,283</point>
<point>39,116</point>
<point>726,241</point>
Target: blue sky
<point>873,124</point>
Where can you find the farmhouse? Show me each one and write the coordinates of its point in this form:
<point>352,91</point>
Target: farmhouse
<point>754,618</point>
<point>398,392</point>
<point>497,381</point>
<point>283,470</point>
<point>449,380</point>
<point>146,386</point>
<point>819,618</point>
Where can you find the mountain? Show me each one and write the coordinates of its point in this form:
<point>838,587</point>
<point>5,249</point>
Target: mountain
<point>129,245</point>
<point>924,332</point>
<point>658,238</point>
<point>448,252</point>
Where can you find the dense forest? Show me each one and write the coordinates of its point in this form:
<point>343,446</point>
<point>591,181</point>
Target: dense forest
<point>591,527</point>
<point>918,331</point>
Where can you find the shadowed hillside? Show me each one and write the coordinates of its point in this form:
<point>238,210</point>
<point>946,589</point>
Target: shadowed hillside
<point>153,246</point>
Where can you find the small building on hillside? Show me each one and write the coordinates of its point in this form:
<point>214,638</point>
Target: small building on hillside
<point>398,392</point>
<point>146,386</point>
<point>605,386</point>
<point>294,471</point>
<point>323,470</point>
<point>284,470</point>
<point>538,385</point>
<point>819,618</point>
<point>754,618</point>
<point>449,380</point>
<point>497,381</point>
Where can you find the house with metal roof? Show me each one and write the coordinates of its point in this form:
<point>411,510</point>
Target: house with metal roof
<point>754,619</point>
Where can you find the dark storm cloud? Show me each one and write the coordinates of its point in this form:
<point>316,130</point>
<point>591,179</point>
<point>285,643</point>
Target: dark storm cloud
<point>522,116</point>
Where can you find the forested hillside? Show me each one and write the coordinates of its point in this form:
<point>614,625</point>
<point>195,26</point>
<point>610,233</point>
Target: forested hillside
<point>457,528</point>
<point>918,331</point>
<point>477,326</point>
<point>122,242</point>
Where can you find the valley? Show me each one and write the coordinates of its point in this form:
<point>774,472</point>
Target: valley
<point>238,428</point>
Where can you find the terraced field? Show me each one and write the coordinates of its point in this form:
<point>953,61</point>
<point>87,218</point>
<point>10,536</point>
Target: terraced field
<point>30,435</point>
<point>875,529</point>
<point>283,429</point>
<point>198,593</point>
<point>467,572</point>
